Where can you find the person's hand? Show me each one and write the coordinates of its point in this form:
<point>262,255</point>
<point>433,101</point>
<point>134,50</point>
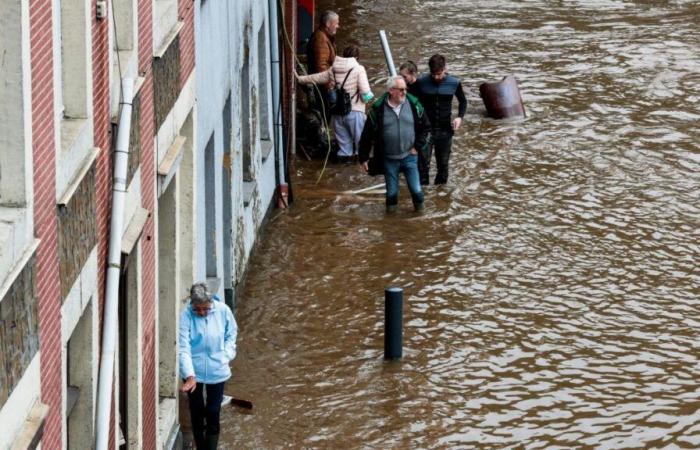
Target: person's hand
<point>365,166</point>
<point>189,385</point>
<point>456,123</point>
<point>413,151</point>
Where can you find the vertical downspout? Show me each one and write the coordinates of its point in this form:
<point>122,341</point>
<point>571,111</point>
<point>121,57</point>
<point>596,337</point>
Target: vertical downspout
<point>110,316</point>
<point>282,188</point>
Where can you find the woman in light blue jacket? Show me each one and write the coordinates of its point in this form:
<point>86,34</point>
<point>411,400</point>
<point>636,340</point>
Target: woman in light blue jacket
<point>207,342</point>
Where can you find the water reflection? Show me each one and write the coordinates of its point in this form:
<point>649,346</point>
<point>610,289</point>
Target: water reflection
<point>551,287</point>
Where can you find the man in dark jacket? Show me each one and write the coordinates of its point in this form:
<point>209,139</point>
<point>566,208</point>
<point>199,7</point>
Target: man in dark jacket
<point>396,128</point>
<point>435,92</point>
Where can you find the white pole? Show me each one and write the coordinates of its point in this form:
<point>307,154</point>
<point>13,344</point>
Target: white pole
<point>387,53</point>
<point>111,304</point>
<point>276,97</point>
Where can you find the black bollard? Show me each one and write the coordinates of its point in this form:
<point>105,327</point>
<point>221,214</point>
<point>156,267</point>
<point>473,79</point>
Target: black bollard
<point>393,322</point>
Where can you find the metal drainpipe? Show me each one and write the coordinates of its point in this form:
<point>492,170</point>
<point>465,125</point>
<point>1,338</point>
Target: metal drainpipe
<point>282,188</point>
<point>387,53</point>
<point>110,317</point>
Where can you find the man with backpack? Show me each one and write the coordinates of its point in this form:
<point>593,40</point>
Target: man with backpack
<point>349,96</point>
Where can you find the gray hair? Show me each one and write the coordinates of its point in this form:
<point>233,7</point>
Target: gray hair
<point>199,294</point>
<point>391,82</point>
<point>329,16</point>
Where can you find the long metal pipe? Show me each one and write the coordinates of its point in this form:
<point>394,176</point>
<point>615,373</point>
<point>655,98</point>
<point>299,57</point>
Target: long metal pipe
<point>276,97</point>
<point>387,53</point>
<point>111,304</point>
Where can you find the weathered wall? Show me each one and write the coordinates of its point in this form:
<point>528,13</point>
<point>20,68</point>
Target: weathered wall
<point>223,31</point>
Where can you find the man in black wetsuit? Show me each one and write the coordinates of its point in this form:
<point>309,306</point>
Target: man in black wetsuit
<point>436,91</point>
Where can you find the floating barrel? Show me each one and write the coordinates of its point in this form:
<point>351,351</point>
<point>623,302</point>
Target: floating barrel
<point>502,98</point>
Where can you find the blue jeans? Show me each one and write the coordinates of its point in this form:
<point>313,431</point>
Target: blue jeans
<point>409,167</point>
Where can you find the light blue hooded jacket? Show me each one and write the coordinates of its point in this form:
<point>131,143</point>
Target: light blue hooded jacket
<point>207,344</point>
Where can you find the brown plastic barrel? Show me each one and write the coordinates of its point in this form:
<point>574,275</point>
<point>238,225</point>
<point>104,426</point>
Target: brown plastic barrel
<point>502,98</point>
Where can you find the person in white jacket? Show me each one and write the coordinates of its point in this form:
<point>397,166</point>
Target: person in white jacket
<point>348,128</point>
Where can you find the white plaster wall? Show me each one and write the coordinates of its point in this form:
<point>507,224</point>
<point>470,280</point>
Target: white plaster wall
<point>72,50</point>
<point>164,20</point>
<point>16,153</point>
<point>217,23</point>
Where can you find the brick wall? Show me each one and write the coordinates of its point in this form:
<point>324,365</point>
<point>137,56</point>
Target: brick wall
<point>186,13</point>
<point>45,223</point>
<point>145,39</point>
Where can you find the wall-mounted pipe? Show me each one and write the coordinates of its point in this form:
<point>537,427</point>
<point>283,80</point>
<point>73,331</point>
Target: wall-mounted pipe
<point>110,316</point>
<point>277,104</point>
<point>387,53</point>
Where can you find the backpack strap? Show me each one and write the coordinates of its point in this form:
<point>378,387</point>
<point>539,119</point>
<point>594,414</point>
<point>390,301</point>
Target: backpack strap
<point>342,86</point>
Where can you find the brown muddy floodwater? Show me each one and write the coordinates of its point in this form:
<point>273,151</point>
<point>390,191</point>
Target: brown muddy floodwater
<point>551,288</point>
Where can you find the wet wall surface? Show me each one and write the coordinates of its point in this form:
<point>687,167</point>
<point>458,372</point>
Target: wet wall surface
<point>551,288</point>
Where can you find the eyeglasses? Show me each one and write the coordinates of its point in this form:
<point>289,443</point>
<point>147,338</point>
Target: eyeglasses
<point>201,309</point>
<point>400,89</point>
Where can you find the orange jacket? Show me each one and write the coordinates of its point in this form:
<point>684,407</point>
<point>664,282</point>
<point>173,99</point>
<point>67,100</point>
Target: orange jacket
<point>321,51</point>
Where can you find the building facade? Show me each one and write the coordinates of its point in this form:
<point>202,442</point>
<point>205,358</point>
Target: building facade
<point>205,161</point>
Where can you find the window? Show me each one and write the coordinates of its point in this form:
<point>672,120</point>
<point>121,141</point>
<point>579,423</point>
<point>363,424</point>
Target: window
<point>130,351</point>
<point>247,143</point>
<point>80,380</point>
<point>263,85</point>
<point>226,194</point>
<point>210,207</point>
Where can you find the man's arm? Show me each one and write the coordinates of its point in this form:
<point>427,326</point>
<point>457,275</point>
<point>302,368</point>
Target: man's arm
<point>322,54</point>
<point>230,335</point>
<point>366,141</point>
<point>422,129</point>
<point>184,346</point>
<point>462,99</point>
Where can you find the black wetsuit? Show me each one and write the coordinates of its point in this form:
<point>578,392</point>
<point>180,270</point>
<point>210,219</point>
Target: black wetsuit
<point>436,98</point>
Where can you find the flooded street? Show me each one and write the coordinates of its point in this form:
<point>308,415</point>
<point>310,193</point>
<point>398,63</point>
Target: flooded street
<point>551,288</point>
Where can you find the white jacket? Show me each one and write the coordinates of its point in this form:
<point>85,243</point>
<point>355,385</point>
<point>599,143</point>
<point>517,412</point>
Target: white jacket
<point>357,81</point>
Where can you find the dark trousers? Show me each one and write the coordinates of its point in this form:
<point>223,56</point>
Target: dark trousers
<point>441,140</point>
<point>205,415</point>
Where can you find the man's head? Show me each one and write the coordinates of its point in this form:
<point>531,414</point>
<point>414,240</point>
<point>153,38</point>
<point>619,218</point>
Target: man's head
<point>351,51</point>
<point>200,299</point>
<point>330,21</point>
<point>409,72</point>
<point>438,68</point>
<point>397,89</point>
